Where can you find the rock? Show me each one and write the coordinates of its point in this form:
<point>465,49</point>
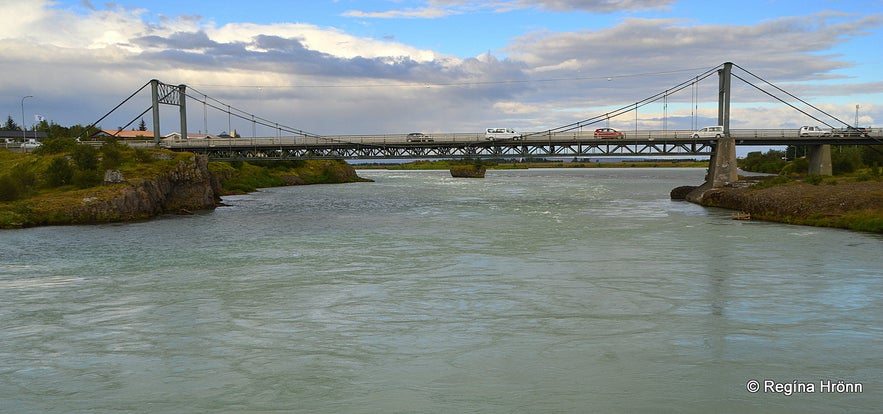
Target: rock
<point>680,193</point>
<point>113,177</point>
<point>468,171</point>
<point>187,187</point>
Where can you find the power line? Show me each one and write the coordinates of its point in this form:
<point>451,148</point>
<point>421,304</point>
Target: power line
<point>413,84</point>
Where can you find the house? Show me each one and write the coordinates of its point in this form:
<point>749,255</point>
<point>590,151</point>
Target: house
<point>176,136</point>
<point>16,136</point>
<point>123,134</point>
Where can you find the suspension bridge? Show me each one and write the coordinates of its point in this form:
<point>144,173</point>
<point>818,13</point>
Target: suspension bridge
<point>576,139</point>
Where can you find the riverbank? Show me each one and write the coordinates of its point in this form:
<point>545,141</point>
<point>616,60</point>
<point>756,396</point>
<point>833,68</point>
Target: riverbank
<point>841,202</point>
<point>143,186</point>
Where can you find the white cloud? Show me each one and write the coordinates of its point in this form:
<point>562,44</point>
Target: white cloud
<point>323,79</point>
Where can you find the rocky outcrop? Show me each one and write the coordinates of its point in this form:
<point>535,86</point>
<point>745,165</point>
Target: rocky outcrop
<point>186,188</point>
<point>468,171</point>
<point>680,193</point>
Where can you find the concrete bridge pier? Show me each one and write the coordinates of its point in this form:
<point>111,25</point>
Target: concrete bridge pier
<point>820,160</point>
<point>722,168</point>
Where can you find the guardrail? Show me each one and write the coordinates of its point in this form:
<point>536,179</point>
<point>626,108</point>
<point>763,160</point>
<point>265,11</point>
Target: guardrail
<point>771,135</point>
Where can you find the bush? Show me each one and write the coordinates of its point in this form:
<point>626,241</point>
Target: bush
<point>59,172</point>
<point>845,160</point>
<point>85,157</point>
<point>798,167</point>
<point>10,188</point>
<point>87,178</point>
<point>112,156</point>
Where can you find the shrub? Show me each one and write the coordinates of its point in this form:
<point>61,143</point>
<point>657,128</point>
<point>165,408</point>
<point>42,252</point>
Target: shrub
<point>10,188</point>
<point>814,179</point>
<point>59,172</point>
<point>85,157</point>
<point>112,156</point>
<point>87,178</point>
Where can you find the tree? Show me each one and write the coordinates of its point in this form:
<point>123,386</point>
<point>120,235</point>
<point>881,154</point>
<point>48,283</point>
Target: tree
<point>846,159</point>
<point>142,126</point>
<point>10,125</point>
<point>770,162</point>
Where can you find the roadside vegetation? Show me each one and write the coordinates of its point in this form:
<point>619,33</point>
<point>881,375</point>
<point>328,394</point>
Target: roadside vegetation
<point>793,160</point>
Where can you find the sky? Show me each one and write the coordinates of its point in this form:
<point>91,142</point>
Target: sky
<point>400,66</point>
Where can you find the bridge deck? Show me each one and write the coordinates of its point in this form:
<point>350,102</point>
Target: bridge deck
<point>538,145</point>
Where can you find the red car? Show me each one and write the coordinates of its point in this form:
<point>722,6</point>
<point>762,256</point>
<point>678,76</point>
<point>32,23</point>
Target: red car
<point>608,133</point>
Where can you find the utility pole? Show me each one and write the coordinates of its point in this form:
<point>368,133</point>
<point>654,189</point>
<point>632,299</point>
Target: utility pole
<point>23,129</point>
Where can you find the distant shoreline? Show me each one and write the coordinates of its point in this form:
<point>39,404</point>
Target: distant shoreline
<point>446,165</point>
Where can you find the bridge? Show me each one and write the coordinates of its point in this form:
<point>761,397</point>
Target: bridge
<point>572,140</point>
<point>472,145</point>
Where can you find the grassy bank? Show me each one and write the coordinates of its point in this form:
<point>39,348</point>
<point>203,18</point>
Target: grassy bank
<point>42,188</point>
<point>853,202</point>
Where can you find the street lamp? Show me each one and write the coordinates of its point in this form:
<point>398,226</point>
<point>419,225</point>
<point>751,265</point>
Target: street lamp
<point>23,136</point>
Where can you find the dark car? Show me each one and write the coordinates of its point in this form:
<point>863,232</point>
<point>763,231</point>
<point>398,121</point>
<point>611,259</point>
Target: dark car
<point>608,133</point>
<point>851,132</point>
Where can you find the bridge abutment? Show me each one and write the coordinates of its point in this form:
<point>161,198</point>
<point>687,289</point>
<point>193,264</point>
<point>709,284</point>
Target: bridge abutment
<point>820,160</point>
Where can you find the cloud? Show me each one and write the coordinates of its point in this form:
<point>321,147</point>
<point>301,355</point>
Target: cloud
<point>421,13</point>
<point>443,8</point>
<point>325,80</point>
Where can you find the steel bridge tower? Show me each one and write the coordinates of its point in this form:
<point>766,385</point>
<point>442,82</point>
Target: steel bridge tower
<point>161,93</point>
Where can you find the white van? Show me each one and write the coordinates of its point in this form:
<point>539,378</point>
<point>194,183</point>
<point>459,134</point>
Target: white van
<point>716,131</point>
<point>501,133</point>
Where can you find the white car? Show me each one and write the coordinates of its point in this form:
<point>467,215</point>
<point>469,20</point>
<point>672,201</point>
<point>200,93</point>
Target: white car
<point>31,143</point>
<point>814,131</point>
<point>716,131</point>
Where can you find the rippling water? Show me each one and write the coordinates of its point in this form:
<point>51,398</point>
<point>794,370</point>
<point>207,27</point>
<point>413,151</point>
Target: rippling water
<point>531,291</point>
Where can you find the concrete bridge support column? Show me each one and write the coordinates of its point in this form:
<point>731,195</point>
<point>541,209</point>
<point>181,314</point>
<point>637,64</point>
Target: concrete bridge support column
<point>722,168</point>
<point>820,160</point>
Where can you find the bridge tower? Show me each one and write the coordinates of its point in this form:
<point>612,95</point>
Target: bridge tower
<point>722,166</point>
<point>161,93</point>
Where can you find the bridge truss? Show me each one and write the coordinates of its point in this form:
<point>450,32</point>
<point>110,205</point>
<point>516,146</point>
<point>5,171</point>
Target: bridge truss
<point>234,151</point>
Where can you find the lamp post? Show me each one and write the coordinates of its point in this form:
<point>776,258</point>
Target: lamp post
<point>23,136</point>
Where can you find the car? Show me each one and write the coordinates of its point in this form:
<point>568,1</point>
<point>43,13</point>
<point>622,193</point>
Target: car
<point>31,143</point>
<point>608,133</point>
<point>419,137</point>
<point>813,131</point>
<point>715,131</point>
<point>851,132</point>
<point>492,134</point>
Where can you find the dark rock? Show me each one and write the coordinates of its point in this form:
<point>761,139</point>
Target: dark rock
<point>680,193</point>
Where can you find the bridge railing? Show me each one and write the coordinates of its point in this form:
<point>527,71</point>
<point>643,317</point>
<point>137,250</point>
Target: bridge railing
<point>779,135</point>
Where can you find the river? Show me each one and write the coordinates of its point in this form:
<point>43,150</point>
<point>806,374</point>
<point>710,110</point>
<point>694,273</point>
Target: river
<point>528,291</point>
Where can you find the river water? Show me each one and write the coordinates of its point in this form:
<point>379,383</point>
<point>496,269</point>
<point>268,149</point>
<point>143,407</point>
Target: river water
<point>529,291</point>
